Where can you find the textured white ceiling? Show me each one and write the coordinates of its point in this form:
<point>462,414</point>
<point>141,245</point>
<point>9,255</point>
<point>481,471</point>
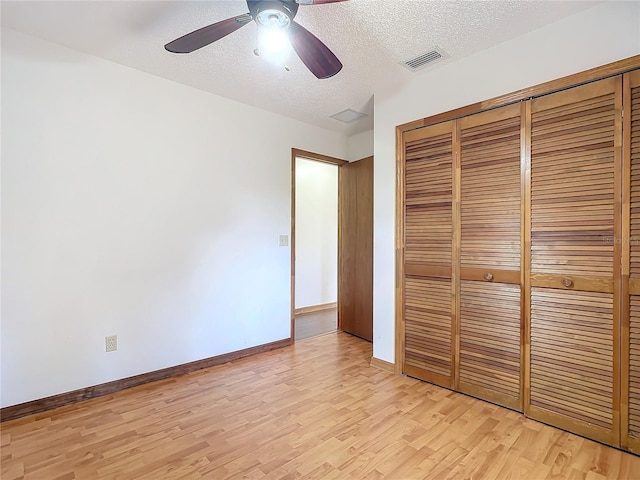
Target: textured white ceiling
<point>371,38</point>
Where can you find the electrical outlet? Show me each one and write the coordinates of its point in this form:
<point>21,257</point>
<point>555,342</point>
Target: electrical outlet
<point>111,343</point>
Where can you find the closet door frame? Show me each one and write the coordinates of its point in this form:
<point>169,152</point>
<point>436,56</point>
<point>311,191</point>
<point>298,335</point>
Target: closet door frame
<point>622,189</point>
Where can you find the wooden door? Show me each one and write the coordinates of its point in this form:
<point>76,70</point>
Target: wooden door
<point>575,262</point>
<point>355,248</point>
<point>630,243</point>
<point>427,267</point>
<point>489,334</point>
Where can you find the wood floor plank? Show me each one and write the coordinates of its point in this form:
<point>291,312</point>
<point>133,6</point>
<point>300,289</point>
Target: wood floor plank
<point>316,409</point>
<point>316,323</point>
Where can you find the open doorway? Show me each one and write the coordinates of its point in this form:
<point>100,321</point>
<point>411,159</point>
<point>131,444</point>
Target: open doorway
<point>314,244</point>
<point>315,269</point>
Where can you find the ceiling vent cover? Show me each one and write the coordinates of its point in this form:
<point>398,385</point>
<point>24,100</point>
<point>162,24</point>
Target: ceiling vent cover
<point>417,63</point>
<point>349,116</point>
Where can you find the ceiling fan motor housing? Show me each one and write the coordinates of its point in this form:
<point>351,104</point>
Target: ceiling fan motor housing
<point>287,7</point>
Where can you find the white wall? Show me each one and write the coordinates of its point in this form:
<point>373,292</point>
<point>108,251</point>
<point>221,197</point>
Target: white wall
<point>608,32</point>
<point>360,146</point>
<point>138,207</point>
<point>316,233</point>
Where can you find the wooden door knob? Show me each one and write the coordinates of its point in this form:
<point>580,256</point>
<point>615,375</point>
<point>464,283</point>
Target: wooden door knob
<point>488,276</point>
<point>567,282</point>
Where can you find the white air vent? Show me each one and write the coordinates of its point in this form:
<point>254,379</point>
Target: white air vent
<point>421,61</point>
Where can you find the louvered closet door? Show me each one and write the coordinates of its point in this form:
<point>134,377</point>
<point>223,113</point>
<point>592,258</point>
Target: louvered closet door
<point>490,251</point>
<point>631,273</point>
<point>427,254</point>
<point>574,316</point>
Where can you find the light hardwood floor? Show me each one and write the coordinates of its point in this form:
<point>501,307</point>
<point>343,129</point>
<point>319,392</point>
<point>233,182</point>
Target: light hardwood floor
<point>316,323</point>
<point>312,410</point>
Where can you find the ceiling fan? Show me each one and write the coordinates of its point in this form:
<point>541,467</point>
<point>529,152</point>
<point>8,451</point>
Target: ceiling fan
<point>273,17</point>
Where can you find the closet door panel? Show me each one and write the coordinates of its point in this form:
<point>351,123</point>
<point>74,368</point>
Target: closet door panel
<point>572,182</point>
<point>489,346</point>
<point>572,354</point>
<point>427,299</point>
<point>428,328</point>
<point>631,266</point>
<point>574,320</point>
<point>490,190</point>
<point>489,358</point>
<point>633,440</point>
<point>428,197</point>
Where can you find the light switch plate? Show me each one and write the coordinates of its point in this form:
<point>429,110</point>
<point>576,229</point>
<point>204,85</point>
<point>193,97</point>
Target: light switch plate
<point>284,240</point>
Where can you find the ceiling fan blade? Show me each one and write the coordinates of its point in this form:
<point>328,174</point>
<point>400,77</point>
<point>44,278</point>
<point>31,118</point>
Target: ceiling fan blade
<point>313,53</point>
<point>207,35</point>
<point>317,2</point>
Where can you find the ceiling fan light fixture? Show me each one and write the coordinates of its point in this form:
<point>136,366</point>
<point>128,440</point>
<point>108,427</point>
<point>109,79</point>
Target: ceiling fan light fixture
<point>273,19</point>
<point>272,41</point>
<point>273,14</point>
